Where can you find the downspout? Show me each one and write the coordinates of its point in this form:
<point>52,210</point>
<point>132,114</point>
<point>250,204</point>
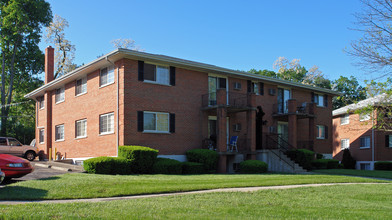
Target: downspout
<point>118,108</point>
<point>373,139</point>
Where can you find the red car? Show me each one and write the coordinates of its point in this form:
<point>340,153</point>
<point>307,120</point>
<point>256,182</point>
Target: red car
<point>14,167</point>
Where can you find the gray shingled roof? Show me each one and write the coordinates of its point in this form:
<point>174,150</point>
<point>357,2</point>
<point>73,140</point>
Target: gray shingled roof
<point>382,98</point>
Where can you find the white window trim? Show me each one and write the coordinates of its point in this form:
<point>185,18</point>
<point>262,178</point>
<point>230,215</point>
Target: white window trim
<point>84,78</point>
<point>156,123</point>
<point>55,133</point>
<point>39,135</point>
<point>109,83</point>
<point>318,100</point>
<point>341,146</point>
<point>39,103</point>
<point>156,67</point>
<point>322,137</point>
<point>364,118</point>
<point>76,133</point>
<point>348,119</point>
<point>99,124</point>
<point>363,137</point>
<point>63,88</point>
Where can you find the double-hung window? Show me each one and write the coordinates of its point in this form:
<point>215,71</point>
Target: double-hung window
<point>156,122</point>
<point>41,102</point>
<point>81,86</point>
<point>106,123</point>
<point>321,132</point>
<point>59,132</point>
<point>365,142</point>
<point>106,76</point>
<point>345,144</point>
<point>345,119</point>
<point>59,95</point>
<point>41,136</point>
<point>157,74</point>
<point>81,128</point>
<point>320,100</point>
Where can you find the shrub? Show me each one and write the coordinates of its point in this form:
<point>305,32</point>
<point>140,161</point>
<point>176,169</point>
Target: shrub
<point>108,165</point>
<point>333,164</point>
<point>167,166</point>
<point>302,157</point>
<point>348,161</point>
<point>325,164</point>
<point>208,158</point>
<point>192,168</point>
<point>320,164</point>
<point>319,156</point>
<point>383,165</point>
<point>253,166</point>
<point>143,157</point>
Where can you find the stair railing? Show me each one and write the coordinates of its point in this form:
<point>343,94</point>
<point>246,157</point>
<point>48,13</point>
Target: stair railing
<point>282,146</point>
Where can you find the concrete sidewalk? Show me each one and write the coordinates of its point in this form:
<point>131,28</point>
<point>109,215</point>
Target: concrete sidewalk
<point>58,166</point>
<point>244,189</point>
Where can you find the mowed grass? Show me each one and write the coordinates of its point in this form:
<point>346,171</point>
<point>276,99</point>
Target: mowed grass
<point>78,185</point>
<point>365,173</point>
<point>324,202</point>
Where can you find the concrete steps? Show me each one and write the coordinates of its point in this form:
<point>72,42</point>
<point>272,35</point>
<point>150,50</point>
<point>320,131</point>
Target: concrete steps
<point>279,162</point>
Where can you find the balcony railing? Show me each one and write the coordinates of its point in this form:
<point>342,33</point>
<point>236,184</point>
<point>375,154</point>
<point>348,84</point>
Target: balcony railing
<point>233,99</point>
<point>279,109</point>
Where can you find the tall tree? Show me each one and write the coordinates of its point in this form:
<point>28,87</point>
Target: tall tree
<point>64,50</point>
<point>20,22</point>
<point>351,91</point>
<point>126,43</point>
<point>374,48</point>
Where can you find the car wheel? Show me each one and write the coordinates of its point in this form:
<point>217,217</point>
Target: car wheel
<point>30,155</point>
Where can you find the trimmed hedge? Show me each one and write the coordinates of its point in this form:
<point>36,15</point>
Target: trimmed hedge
<point>325,164</point>
<point>303,157</point>
<point>383,165</point>
<point>143,157</point>
<point>167,166</point>
<point>108,165</point>
<point>253,166</point>
<point>319,156</point>
<point>192,168</point>
<point>208,158</point>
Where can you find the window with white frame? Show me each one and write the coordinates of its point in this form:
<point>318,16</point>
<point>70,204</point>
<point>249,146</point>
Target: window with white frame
<point>364,166</point>
<point>320,100</point>
<point>59,132</point>
<point>345,144</point>
<point>81,128</point>
<point>81,86</point>
<point>320,132</point>
<point>41,102</point>
<point>156,122</point>
<point>59,95</point>
<point>106,76</point>
<point>365,142</point>
<point>345,119</point>
<point>364,117</point>
<point>106,123</point>
<point>157,74</point>
<point>388,141</point>
<point>41,136</point>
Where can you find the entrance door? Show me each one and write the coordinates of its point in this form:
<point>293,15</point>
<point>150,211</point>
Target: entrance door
<point>283,96</point>
<point>212,129</point>
<point>283,131</point>
<point>215,83</point>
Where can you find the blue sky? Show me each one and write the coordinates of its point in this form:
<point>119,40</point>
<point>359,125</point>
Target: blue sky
<point>234,34</point>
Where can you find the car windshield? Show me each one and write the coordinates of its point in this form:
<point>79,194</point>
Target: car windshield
<point>14,142</point>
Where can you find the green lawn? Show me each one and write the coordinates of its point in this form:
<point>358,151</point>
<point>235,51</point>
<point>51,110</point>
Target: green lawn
<point>326,202</point>
<point>79,185</point>
<point>366,173</point>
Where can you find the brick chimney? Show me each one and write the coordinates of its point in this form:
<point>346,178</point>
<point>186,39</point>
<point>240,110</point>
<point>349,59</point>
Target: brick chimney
<point>49,64</point>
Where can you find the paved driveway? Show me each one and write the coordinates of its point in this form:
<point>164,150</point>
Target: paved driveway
<point>38,173</point>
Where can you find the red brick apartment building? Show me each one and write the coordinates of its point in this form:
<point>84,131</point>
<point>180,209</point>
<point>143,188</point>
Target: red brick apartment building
<point>358,133</point>
<point>128,97</point>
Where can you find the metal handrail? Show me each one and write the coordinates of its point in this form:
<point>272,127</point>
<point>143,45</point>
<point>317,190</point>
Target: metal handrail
<point>282,149</point>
